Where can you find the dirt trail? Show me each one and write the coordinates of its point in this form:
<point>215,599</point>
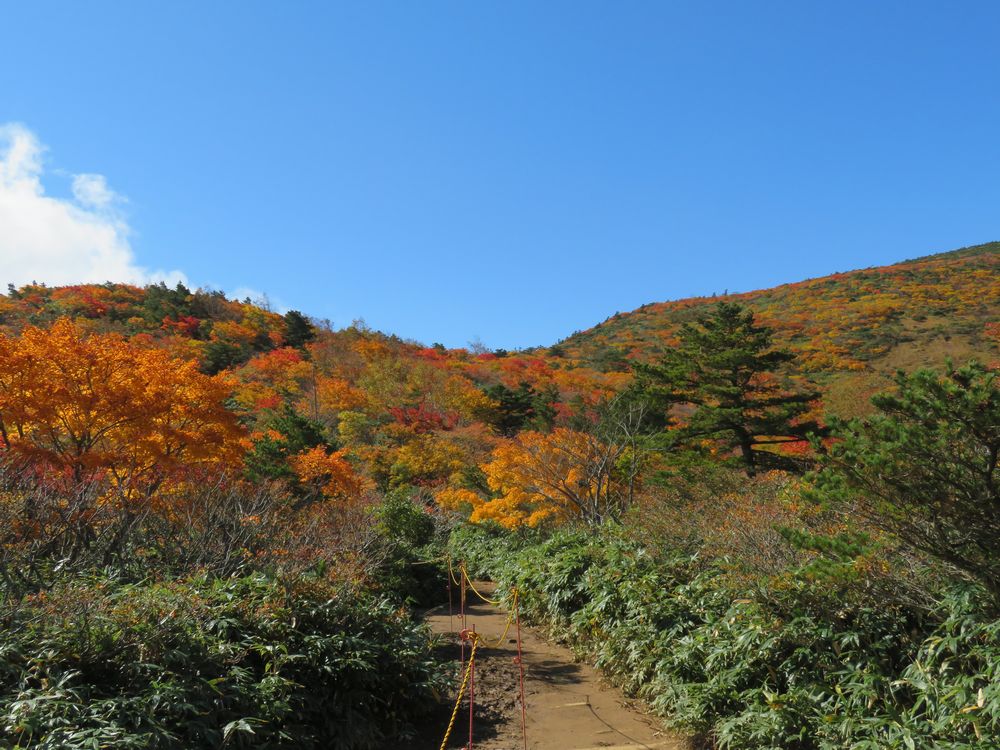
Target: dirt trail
<point>569,707</point>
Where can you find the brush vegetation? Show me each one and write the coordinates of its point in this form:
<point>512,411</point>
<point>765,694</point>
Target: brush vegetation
<point>216,521</point>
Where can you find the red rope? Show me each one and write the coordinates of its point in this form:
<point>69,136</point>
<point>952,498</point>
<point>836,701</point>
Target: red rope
<point>520,668</point>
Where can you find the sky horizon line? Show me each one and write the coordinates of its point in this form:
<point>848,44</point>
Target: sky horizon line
<point>501,172</point>
<point>263,300</point>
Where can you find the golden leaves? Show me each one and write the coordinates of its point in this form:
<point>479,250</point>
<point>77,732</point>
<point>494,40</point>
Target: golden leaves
<point>99,402</point>
<point>330,474</point>
<point>540,478</point>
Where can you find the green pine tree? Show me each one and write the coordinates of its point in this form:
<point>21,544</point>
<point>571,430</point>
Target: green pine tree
<point>724,375</point>
<point>298,330</point>
<point>268,458</point>
<point>925,468</point>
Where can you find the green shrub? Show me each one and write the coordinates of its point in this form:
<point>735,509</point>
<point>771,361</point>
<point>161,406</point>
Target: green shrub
<point>800,667</point>
<point>410,552</point>
<point>248,662</point>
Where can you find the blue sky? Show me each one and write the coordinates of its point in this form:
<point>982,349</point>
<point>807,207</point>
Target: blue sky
<point>509,171</point>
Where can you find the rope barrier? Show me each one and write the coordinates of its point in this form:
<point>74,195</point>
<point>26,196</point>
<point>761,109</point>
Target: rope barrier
<point>510,617</point>
<point>472,586</point>
<point>510,621</point>
<point>461,691</point>
<point>468,680</point>
<point>451,572</point>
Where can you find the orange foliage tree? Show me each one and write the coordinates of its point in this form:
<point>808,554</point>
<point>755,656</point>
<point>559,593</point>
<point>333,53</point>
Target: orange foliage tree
<point>89,405</point>
<point>273,378</point>
<point>329,475</point>
<point>549,478</point>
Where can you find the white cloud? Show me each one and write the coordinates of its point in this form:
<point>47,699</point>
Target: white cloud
<point>61,241</point>
<point>92,190</point>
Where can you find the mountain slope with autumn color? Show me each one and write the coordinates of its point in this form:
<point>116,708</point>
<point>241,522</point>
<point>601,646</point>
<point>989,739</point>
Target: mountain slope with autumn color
<point>848,330</point>
<point>172,460</point>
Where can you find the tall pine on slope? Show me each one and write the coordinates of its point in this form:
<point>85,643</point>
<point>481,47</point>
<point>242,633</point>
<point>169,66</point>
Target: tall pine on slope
<point>726,370</point>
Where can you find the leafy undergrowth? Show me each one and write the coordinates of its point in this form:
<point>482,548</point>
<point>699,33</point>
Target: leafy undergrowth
<point>203,663</point>
<point>796,668</point>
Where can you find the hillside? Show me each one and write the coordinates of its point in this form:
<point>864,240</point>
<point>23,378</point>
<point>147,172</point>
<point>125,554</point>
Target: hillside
<point>850,330</point>
<point>302,484</point>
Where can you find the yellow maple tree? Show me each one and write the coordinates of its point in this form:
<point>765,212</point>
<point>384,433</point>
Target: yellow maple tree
<point>540,478</point>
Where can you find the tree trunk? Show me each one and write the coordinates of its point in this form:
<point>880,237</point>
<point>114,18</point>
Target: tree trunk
<point>746,449</point>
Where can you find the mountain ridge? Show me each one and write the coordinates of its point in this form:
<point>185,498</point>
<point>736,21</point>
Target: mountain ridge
<point>963,283</point>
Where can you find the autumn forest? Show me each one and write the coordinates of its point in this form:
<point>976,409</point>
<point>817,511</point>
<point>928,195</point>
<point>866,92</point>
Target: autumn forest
<point>772,517</point>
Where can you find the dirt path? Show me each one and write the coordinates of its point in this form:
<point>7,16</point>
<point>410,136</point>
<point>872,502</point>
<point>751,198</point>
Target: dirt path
<point>569,707</point>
